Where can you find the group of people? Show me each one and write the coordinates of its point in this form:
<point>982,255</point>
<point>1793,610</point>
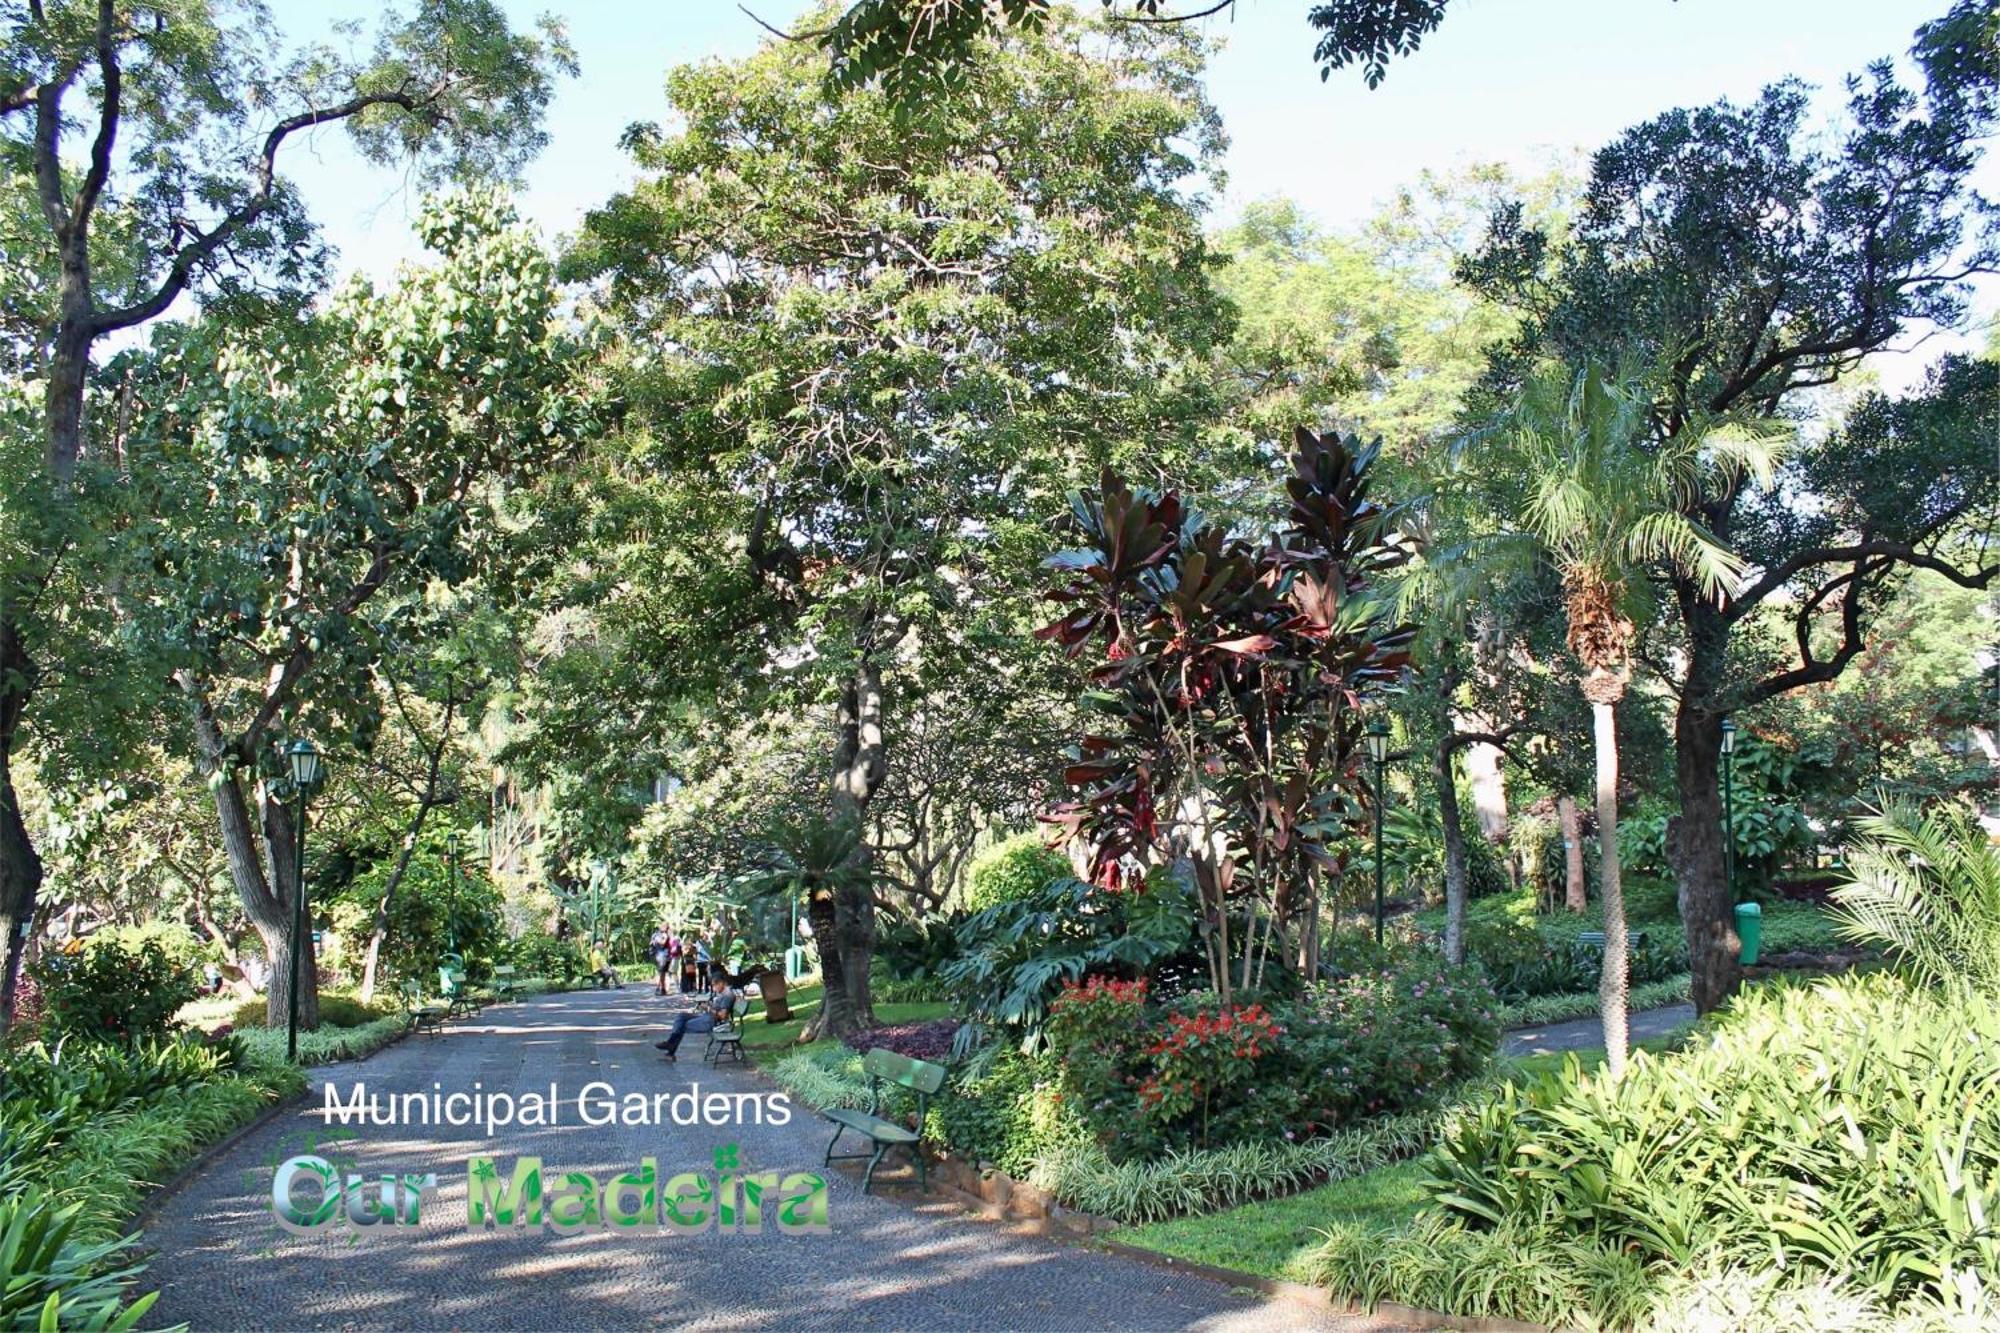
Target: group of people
<point>688,955</point>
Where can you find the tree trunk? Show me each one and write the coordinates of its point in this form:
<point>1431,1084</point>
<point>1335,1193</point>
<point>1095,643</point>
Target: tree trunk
<point>860,763</point>
<point>1575,895</point>
<point>20,865</point>
<point>270,912</point>
<point>1694,846</point>
<point>1611,987</point>
<point>1457,890</point>
<point>69,364</point>
<point>836,1010</point>
<point>379,926</point>
<point>20,882</point>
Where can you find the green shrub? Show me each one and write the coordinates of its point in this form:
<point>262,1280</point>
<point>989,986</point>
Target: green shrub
<point>824,1077</point>
<point>112,991</point>
<point>1541,1010</point>
<point>1012,869</point>
<point>55,1280</point>
<point>1927,888</point>
<point>1201,1074</point>
<point>337,1011</point>
<point>1015,957</point>
<point>1082,1176</point>
<point>1009,1113</point>
<point>266,1046</point>
<point>915,951</point>
<point>1511,1272</point>
<point>1851,1129</point>
<point>541,954</point>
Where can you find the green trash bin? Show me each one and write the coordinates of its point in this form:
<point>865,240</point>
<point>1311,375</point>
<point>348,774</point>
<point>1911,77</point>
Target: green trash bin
<point>1750,930</point>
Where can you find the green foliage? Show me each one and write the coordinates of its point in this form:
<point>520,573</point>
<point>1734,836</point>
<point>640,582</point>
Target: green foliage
<point>1768,825</point>
<point>335,1011</point>
<point>1007,1112</point>
<point>1202,1072</point>
<point>1927,887</point>
<point>824,1077</point>
<point>266,1046</point>
<point>1084,1177</point>
<point>1525,962</point>
<point>1413,852</point>
<point>915,952</point>
<point>1542,1010</point>
<point>1850,1129</point>
<point>113,992</point>
<point>54,1280</point>
<point>540,954</point>
<point>1012,869</point>
<point>431,916</point>
<point>1511,1272</point>
<point>1272,1236</point>
<point>1016,957</point>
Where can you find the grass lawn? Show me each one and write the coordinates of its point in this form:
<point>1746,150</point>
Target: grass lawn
<point>1269,1238</point>
<point>774,1041</point>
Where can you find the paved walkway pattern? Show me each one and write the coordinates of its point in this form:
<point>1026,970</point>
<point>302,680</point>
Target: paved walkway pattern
<point>1586,1034</point>
<point>223,1263</point>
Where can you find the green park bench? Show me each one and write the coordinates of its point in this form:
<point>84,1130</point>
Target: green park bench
<point>1594,939</point>
<point>423,1016</point>
<point>457,996</point>
<point>727,1034</point>
<point>920,1077</point>
<point>503,981</point>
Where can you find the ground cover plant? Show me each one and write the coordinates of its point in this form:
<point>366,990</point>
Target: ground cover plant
<point>1828,1148</point>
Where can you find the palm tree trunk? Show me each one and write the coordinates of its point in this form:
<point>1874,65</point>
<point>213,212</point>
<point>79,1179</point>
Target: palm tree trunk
<point>1611,986</point>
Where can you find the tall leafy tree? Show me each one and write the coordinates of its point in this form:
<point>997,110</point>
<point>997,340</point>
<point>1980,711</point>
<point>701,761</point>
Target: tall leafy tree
<point>1753,260</point>
<point>307,484</point>
<point>870,354</point>
<point>141,144</point>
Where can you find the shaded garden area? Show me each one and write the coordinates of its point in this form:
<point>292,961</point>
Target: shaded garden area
<point>1201,680</point>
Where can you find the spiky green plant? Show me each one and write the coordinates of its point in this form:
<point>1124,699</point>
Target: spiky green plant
<point>1927,887</point>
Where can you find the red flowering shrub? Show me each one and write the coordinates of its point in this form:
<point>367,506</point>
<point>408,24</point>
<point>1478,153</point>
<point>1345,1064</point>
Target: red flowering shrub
<point>1200,1074</point>
<point>1201,1063</point>
<point>1098,1030</point>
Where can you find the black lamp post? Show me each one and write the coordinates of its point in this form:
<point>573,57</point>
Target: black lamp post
<point>1378,751</point>
<point>451,861</point>
<point>1729,805</point>
<point>302,757</point>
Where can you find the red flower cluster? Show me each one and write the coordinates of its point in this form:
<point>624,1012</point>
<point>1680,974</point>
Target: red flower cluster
<point>1246,1030</point>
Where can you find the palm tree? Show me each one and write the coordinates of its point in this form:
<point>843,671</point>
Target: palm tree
<point>825,862</point>
<point>1604,501</point>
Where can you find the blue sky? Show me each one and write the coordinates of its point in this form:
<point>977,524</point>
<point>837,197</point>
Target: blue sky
<point>1509,80</point>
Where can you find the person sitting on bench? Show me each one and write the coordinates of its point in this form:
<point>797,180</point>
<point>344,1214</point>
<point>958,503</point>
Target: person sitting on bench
<point>721,997</point>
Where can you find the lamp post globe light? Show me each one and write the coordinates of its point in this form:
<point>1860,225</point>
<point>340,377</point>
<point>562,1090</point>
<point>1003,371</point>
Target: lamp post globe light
<point>302,760</point>
<point>1378,751</point>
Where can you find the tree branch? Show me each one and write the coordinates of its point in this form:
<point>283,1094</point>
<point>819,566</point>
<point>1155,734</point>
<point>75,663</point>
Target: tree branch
<point>198,251</point>
<point>107,123</point>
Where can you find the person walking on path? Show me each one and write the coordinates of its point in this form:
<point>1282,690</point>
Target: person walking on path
<point>701,960</point>
<point>663,957</point>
